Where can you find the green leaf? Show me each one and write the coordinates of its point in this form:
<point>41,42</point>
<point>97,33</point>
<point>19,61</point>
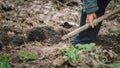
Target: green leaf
<point>78,54</point>
<point>26,56</point>
<point>73,54</point>
<point>9,65</point>
<point>4,63</point>
<point>115,54</point>
<point>57,66</point>
<point>71,58</point>
<point>3,58</point>
<point>102,65</point>
<point>114,31</point>
<point>90,46</point>
<point>72,48</point>
<point>80,46</point>
<point>115,65</point>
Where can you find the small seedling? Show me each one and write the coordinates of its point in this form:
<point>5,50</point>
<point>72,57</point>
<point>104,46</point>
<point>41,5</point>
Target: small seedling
<point>4,62</point>
<point>74,54</point>
<point>26,56</point>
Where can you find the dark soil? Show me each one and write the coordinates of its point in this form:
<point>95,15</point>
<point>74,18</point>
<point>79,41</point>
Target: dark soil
<point>110,42</point>
<point>45,34</point>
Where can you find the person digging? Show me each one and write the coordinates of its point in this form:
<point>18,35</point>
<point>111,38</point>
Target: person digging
<point>92,9</point>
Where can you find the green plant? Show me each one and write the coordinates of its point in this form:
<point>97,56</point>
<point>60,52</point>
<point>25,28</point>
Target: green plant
<point>87,47</point>
<point>102,64</point>
<point>115,65</point>
<point>57,66</point>
<point>26,56</point>
<point>4,62</point>
<point>114,31</point>
<point>114,54</point>
<point>74,54</point>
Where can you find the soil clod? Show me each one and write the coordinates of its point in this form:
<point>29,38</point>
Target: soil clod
<point>37,34</point>
<point>44,34</point>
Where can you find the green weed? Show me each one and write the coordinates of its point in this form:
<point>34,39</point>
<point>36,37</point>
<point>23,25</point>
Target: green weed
<point>74,54</point>
<point>57,66</point>
<point>87,47</point>
<point>26,56</point>
<point>4,62</point>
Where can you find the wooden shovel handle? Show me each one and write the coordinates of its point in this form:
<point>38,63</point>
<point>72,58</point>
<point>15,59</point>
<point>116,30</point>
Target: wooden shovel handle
<point>86,26</point>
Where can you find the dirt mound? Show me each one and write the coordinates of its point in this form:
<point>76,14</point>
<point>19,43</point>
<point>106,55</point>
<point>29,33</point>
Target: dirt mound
<point>45,34</point>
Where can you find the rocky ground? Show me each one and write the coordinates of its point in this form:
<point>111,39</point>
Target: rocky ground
<point>36,26</point>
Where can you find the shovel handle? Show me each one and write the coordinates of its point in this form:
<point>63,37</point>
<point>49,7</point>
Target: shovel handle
<point>86,26</point>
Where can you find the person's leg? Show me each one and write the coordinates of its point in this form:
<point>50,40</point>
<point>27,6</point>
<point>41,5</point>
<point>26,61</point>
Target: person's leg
<point>94,32</point>
<point>83,36</point>
<point>90,34</point>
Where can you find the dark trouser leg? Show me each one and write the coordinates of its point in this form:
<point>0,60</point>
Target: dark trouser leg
<point>90,34</point>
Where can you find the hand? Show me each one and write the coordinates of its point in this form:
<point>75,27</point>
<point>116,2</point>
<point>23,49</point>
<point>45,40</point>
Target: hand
<point>90,18</point>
